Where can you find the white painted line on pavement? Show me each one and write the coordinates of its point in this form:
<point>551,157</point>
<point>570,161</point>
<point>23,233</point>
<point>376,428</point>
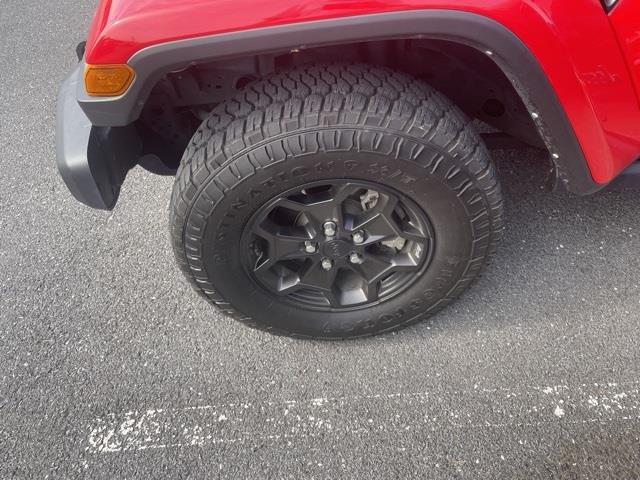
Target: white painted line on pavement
<point>230,423</point>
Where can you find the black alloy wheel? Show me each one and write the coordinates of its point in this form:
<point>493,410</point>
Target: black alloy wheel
<point>338,244</point>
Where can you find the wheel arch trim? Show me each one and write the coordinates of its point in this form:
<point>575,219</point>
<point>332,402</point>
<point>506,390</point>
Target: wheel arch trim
<point>480,32</point>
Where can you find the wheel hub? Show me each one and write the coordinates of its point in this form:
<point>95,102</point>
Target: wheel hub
<point>338,244</point>
<point>336,248</point>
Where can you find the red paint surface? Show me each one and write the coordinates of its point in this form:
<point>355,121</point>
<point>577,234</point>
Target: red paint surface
<point>594,72</point>
<point>625,19</point>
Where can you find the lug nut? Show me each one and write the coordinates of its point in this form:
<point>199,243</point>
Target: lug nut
<point>310,247</point>
<point>327,264</point>
<point>355,258</point>
<point>358,237</point>
<point>329,229</point>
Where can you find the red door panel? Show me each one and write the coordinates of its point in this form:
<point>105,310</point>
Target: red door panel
<point>625,19</point>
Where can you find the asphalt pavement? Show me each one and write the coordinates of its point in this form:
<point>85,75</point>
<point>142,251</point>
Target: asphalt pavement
<point>112,367</point>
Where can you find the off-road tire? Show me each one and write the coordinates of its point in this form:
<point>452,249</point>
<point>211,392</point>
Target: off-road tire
<point>334,121</point>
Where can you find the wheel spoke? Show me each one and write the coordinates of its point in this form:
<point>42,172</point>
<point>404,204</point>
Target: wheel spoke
<point>329,205</point>
<point>413,237</point>
<point>284,242</point>
<point>373,268</point>
<point>378,228</point>
<point>405,262</point>
<point>371,291</point>
<point>339,193</point>
<point>333,298</point>
<point>318,278</point>
<point>413,233</point>
<point>315,276</point>
<point>278,278</point>
<point>290,205</point>
<point>287,284</point>
<point>324,210</point>
<point>363,293</point>
<point>262,265</point>
<point>387,206</point>
<point>379,222</point>
<point>356,288</point>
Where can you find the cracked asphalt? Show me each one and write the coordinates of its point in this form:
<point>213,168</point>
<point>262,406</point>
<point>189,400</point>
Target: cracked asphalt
<point>112,367</point>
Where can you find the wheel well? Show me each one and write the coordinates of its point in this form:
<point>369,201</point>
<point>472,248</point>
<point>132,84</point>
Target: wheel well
<point>469,77</point>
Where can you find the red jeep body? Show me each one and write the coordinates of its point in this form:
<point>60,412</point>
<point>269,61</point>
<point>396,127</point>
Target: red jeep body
<point>591,58</point>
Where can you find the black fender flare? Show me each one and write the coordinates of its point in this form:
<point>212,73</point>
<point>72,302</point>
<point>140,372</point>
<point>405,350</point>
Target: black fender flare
<point>477,31</point>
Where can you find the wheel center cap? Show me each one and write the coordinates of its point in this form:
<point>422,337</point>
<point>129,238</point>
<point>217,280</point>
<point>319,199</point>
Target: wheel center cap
<point>336,248</point>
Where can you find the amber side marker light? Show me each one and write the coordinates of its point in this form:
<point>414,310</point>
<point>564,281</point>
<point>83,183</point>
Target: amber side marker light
<point>107,80</point>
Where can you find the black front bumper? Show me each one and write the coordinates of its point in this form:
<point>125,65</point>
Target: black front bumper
<point>93,161</point>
